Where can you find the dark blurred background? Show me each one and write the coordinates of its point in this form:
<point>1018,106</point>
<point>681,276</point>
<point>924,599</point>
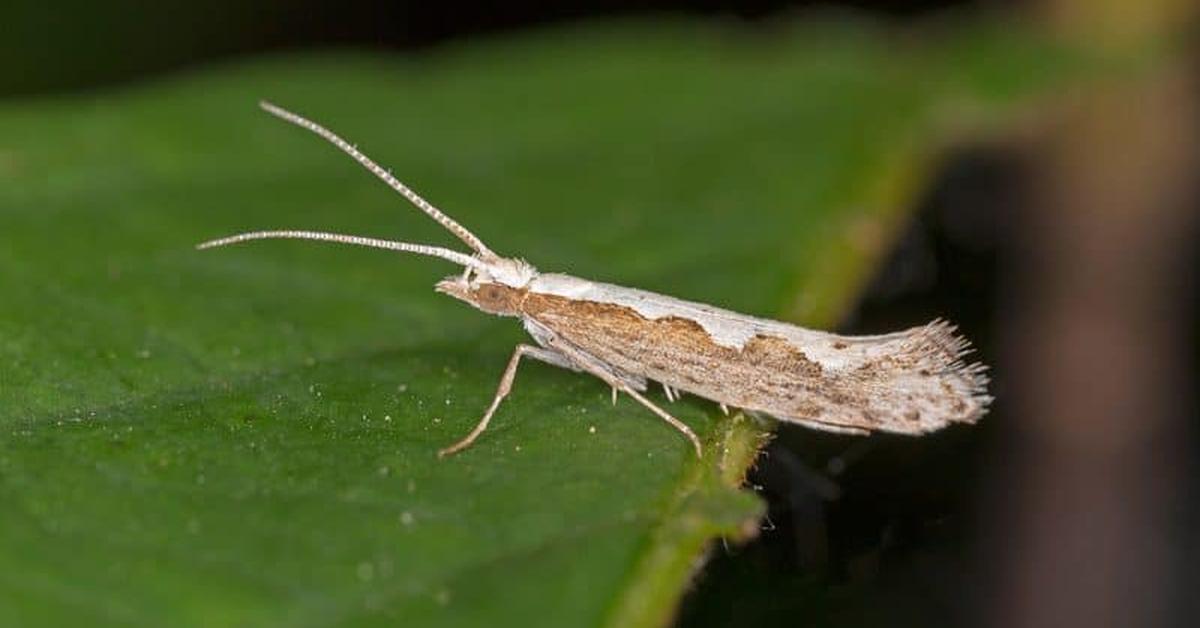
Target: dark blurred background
<point>1068,258</point>
<point>47,46</point>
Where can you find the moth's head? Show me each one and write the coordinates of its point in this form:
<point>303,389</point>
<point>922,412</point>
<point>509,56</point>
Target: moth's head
<point>496,289</point>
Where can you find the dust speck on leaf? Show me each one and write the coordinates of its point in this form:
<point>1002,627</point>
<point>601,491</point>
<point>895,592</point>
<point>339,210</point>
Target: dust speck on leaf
<point>365,571</point>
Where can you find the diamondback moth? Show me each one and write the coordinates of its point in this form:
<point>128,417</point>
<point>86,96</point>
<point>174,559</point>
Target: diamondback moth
<point>908,382</point>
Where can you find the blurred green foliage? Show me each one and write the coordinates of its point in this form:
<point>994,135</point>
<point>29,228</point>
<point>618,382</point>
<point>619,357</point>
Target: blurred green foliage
<point>77,44</point>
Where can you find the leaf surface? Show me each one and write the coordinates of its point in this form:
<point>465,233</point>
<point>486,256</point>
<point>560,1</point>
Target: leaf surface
<point>246,436</point>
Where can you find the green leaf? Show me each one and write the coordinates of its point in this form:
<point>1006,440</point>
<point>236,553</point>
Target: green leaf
<point>246,436</point>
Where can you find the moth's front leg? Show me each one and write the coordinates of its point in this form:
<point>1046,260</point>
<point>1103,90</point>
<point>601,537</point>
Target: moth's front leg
<point>510,373</point>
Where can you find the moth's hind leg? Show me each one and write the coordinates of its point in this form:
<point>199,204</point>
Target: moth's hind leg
<point>506,382</point>
<point>599,369</point>
<point>675,423</point>
<point>826,426</point>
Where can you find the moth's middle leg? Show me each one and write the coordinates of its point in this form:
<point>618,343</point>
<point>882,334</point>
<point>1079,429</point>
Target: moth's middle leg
<point>506,382</point>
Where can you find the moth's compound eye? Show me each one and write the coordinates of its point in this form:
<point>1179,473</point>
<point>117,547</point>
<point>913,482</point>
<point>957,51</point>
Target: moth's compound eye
<point>490,293</point>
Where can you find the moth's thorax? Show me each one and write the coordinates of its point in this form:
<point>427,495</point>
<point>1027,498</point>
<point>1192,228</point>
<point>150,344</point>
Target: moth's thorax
<point>509,271</point>
<point>563,285</point>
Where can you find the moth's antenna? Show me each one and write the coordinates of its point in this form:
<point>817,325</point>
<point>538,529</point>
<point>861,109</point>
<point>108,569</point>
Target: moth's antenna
<point>449,223</point>
<point>422,249</point>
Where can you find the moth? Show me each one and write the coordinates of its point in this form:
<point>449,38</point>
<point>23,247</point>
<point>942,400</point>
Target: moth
<point>909,382</point>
